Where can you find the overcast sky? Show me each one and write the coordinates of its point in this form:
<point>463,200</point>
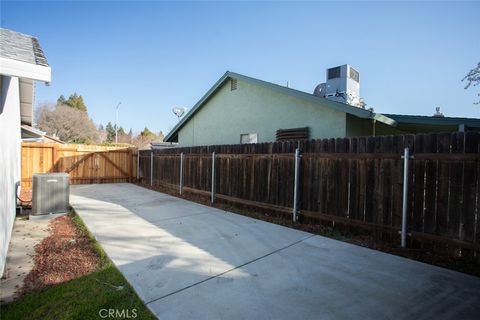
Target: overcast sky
<point>153,56</point>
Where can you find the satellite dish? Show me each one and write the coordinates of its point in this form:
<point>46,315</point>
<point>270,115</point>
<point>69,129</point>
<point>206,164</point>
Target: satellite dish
<point>320,90</point>
<point>179,111</point>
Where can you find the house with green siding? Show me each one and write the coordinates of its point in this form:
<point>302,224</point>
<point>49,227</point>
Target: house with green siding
<point>241,109</point>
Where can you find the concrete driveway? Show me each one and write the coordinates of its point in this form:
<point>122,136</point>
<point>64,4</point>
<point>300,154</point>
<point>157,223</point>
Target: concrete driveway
<point>186,260</point>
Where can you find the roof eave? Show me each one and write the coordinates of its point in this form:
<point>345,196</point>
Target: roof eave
<point>26,70</point>
<point>439,121</point>
<point>33,130</point>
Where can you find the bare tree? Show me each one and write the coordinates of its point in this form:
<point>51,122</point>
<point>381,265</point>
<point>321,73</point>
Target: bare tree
<point>124,138</point>
<point>142,142</point>
<point>69,124</point>
<point>473,78</point>
<point>102,135</point>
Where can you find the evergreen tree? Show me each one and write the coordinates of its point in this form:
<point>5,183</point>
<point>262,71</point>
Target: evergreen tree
<point>110,132</point>
<point>61,100</point>
<point>147,133</point>
<point>75,101</point>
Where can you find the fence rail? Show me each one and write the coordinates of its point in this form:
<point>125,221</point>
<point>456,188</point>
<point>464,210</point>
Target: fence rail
<point>84,163</point>
<point>355,181</point>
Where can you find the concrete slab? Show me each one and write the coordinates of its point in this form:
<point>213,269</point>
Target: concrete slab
<point>191,261</point>
<point>147,204</point>
<point>185,244</point>
<point>25,235</point>
<point>320,278</point>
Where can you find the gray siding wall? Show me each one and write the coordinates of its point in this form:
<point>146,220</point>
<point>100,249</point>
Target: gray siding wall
<point>10,146</point>
<point>255,109</point>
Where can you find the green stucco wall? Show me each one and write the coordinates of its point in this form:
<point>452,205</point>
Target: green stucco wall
<point>255,109</point>
<point>357,127</point>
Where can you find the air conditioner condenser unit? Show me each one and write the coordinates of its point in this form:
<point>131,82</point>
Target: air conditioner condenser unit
<point>50,194</point>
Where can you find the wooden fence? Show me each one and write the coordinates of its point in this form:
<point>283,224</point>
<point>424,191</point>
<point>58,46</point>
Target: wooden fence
<point>353,181</point>
<point>84,163</point>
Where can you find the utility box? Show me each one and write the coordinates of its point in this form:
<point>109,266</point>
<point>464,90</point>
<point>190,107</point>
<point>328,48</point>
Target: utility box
<point>51,193</point>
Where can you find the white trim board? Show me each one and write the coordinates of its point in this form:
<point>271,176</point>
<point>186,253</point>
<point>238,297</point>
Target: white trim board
<point>27,70</point>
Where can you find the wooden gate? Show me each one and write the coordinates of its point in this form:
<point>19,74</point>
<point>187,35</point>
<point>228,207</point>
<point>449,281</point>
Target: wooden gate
<point>83,163</point>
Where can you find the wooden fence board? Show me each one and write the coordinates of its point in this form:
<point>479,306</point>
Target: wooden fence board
<point>386,194</point>
<point>477,208</point>
<point>362,181</point>
<point>323,191</point>
<point>417,213</point>
<point>397,191</point>
<point>443,178</point>
<point>456,190</point>
<point>469,199</point>
<point>431,174</point>
<point>370,189</point>
<point>342,200</point>
<point>353,204</point>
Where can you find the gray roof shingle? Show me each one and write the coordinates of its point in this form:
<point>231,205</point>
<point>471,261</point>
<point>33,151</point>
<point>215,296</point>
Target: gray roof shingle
<point>21,47</point>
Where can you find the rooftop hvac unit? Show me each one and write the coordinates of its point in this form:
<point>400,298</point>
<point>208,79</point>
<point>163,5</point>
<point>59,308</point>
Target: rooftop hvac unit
<point>51,193</point>
<point>343,85</point>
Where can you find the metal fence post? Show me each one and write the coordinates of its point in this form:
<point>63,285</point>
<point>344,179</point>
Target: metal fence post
<point>295,190</point>
<point>406,158</point>
<point>181,172</point>
<point>151,168</point>
<point>213,178</point>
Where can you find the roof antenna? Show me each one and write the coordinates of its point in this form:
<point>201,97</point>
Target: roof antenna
<point>437,113</point>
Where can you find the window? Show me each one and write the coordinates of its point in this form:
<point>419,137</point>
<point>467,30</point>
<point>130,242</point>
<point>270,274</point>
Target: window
<point>233,84</point>
<point>248,138</point>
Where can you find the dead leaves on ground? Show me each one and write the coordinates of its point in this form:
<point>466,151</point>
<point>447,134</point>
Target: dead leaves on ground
<point>64,255</point>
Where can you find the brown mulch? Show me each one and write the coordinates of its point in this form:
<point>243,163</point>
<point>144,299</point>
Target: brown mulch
<point>64,255</point>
